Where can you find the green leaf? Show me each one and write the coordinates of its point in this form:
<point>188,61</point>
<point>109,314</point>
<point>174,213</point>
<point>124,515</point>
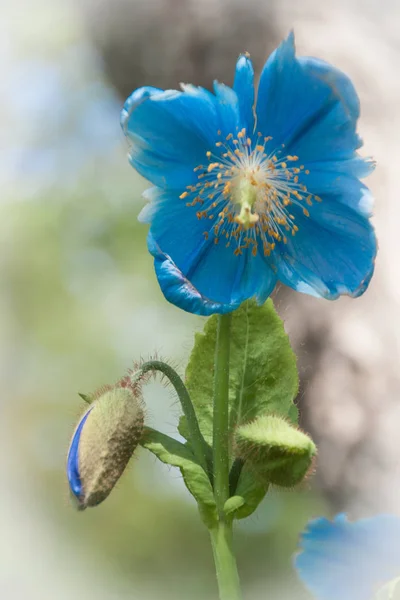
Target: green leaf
<point>252,490</point>
<point>293,414</point>
<point>172,452</point>
<point>263,373</point>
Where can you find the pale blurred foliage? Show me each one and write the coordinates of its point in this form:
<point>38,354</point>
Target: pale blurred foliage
<point>349,350</point>
<point>79,300</point>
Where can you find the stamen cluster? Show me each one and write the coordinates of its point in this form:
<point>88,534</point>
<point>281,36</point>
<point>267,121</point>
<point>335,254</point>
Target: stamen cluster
<point>246,190</point>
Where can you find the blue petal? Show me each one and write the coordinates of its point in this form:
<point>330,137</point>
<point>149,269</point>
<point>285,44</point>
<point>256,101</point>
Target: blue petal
<point>160,170</point>
<point>149,210</point>
<point>228,109</point>
<point>195,273</point>
<point>308,105</point>
<point>336,186</point>
<point>355,166</point>
<point>178,290</point>
<point>170,133</point>
<point>73,459</point>
<point>212,268</point>
<point>332,254</point>
<point>175,227</point>
<point>220,274</point>
<point>244,88</point>
<point>346,560</point>
<point>133,101</point>
<point>258,280</point>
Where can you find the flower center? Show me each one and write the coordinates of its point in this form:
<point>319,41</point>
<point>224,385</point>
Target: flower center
<point>246,191</point>
<point>246,197</point>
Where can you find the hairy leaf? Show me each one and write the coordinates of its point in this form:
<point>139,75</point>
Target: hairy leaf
<point>176,454</point>
<point>263,373</point>
<point>252,490</point>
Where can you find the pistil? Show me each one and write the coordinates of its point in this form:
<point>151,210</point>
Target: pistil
<point>246,197</point>
<point>246,190</point>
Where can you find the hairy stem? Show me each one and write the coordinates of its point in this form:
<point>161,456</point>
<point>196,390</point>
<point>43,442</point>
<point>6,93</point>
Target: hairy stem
<point>199,445</point>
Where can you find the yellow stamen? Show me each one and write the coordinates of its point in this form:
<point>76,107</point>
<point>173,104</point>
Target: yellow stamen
<point>246,193</point>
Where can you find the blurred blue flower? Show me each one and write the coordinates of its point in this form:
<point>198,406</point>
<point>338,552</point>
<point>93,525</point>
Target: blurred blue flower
<point>248,193</point>
<point>349,561</point>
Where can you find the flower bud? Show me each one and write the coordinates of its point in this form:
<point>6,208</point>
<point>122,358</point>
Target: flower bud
<point>103,443</point>
<point>279,453</point>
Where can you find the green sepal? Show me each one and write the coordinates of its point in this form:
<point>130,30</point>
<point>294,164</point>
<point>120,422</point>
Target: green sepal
<point>86,398</point>
<point>263,373</point>
<point>278,452</point>
<point>174,453</point>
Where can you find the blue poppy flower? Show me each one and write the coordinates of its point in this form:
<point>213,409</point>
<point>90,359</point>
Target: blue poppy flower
<point>248,193</point>
<point>350,561</point>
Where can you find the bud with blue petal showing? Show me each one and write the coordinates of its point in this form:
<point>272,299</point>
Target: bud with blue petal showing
<point>279,453</point>
<point>103,442</point>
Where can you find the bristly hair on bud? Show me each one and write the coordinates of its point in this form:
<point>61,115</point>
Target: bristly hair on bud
<point>280,453</point>
<point>103,443</point>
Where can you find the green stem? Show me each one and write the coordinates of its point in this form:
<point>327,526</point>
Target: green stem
<point>225,562</point>
<point>199,445</point>
<point>221,536</point>
<point>221,413</point>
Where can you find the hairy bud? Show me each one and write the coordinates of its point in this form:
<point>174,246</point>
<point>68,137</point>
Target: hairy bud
<point>279,453</point>
<point>103,442</point>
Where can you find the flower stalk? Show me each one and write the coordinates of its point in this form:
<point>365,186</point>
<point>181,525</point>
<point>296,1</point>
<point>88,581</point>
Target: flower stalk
<point>221,536</point>
<point>225,562</point>
<point>221,413</point>
<point>200,447</point>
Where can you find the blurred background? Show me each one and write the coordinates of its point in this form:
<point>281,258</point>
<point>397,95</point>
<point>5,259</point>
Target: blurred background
<point>79,301</point>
